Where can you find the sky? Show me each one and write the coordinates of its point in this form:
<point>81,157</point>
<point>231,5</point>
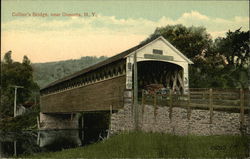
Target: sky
<point>105,28</point>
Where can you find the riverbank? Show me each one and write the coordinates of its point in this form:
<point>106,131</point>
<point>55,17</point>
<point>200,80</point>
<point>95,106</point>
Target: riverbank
<point>157,145</point>
<point>27,121</point>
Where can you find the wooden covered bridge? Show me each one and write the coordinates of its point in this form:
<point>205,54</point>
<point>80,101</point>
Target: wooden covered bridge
<point>102,85</point>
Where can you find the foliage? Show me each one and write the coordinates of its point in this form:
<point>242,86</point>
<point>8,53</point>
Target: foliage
<point>228,62</point>
<point>27,121</point>
<point>235,48</point>
<point>16,74</point>
<point>158,145</point>
<point>45,73</point>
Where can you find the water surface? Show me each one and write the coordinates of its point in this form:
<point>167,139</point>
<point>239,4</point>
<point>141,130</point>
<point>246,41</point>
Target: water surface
<point>29,142</point>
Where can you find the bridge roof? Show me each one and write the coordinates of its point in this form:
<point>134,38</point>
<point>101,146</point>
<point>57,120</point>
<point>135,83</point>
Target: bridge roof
<point>110,60</point>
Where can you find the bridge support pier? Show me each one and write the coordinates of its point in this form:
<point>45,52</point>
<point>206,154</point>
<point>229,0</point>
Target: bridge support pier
<point>123,120</point>
<point>59,121</point>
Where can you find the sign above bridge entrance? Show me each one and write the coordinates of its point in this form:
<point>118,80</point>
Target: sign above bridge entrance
<point>158,57</point>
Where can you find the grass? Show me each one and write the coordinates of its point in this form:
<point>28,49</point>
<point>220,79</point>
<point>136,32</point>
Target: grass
<point>157,145</point>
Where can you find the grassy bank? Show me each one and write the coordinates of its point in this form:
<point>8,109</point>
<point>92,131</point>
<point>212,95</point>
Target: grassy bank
<point>152,145</point>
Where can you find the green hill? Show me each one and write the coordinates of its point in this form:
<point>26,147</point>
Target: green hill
<point>45,73</point>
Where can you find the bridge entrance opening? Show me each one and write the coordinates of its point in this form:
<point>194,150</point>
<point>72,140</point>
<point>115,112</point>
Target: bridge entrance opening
<point>160,75</point>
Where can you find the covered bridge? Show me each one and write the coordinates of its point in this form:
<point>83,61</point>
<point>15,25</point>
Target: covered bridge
<point>102,85</point>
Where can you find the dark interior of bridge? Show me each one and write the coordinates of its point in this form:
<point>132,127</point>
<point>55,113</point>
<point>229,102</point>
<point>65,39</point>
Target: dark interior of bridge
<point>159,73</point>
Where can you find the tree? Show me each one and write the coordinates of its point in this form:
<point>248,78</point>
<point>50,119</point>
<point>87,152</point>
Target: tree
<point>26,61</point>
<point>235,48</point>
<point>7,58</point>
<point>16,73</point>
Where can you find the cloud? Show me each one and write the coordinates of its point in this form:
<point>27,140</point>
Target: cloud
<point>66,38</point>
<point>194,15</point>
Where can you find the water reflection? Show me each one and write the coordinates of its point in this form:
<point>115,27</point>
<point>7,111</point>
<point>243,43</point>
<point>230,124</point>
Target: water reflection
<point>14,143</point>
<point>65,138</point>
<point>28,142</point>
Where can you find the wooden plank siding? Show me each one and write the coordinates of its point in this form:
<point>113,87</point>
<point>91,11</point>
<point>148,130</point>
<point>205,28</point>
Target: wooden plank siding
<point>92,97</point>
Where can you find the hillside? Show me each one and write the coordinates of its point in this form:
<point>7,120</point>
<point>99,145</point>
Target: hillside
<point>45,73</point>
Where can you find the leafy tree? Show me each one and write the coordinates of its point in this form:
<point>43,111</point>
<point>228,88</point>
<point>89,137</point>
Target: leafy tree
<point>26,61</point>
<point>16,73</point>
<point>235,48</point>
<point>7,58</point>
<point>225,63</point>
